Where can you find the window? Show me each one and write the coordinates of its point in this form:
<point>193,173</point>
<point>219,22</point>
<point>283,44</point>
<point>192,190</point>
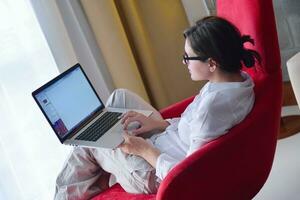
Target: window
<point>31,155</point>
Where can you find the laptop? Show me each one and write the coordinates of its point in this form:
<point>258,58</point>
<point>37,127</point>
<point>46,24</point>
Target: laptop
<point>76,113</point>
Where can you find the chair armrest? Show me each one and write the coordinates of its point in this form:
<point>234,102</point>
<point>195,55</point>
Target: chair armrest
<point>176,109</point>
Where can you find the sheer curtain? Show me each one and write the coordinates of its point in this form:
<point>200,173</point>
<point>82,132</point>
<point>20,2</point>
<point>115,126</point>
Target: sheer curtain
<point>31,155</point>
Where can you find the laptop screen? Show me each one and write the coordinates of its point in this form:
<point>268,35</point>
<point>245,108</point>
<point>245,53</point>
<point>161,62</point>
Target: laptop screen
<point>67,101</point>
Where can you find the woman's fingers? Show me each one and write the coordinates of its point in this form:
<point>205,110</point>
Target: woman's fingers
<point>133,116</point>
<point>138,131</point>
<point>127,115</point>
<point>126,136</point>
<point>131,119</point>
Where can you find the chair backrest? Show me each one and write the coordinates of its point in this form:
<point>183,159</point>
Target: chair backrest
<point>236,165</point>
<point>293,67</point>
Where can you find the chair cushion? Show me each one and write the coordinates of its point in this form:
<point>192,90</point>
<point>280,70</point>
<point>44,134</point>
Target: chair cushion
<point>116,192</point>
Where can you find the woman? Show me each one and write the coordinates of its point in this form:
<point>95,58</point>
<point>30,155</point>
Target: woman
<point>214,51</point>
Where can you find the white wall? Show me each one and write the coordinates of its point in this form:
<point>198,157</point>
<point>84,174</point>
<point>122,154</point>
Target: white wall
<point>195,9</point>
<point>71,41</point>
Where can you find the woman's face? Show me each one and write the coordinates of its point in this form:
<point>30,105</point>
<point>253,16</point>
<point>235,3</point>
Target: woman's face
<point>199,70</point>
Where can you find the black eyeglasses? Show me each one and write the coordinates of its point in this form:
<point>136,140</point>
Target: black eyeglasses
<point>186,58</point>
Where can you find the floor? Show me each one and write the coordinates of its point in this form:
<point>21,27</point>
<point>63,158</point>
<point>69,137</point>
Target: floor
<point>284,180</point>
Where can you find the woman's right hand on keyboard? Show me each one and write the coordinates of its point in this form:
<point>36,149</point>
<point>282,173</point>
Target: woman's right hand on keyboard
<point>146,123</point>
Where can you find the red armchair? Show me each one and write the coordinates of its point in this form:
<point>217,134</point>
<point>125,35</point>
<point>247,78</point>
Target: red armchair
<point>236,165</point>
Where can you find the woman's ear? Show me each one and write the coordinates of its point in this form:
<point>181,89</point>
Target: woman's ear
<point>212,65</point>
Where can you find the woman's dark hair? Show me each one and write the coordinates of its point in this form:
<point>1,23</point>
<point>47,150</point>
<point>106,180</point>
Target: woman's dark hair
<point>216,38</point>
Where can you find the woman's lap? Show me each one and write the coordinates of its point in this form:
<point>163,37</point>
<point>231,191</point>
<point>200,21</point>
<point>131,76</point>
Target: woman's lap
<point>85,165</point>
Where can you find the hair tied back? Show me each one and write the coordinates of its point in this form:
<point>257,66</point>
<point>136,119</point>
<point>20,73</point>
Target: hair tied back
<point>247,38</point>
<point>248,55</point>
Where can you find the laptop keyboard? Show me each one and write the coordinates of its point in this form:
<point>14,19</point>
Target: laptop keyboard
<point>99,127</point>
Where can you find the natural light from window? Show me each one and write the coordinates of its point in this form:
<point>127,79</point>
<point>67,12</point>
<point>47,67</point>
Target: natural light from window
<point>31,155</point>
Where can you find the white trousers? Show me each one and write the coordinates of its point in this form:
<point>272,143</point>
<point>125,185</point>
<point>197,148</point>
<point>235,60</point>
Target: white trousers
<point>84,166</point>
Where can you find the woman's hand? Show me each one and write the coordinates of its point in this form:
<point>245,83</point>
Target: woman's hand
<point>134,145</point>
<point>146,123</point>
<point>138,146</point>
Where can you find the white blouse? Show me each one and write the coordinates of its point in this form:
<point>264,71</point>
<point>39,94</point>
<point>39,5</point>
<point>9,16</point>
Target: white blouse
<point>216,109</point>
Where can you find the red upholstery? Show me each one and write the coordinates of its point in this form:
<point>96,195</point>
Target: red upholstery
<point>176,109</point>
<point>116,192</point>
<point>235,166</point>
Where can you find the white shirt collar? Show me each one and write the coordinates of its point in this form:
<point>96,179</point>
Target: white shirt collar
<point>215,86</point>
